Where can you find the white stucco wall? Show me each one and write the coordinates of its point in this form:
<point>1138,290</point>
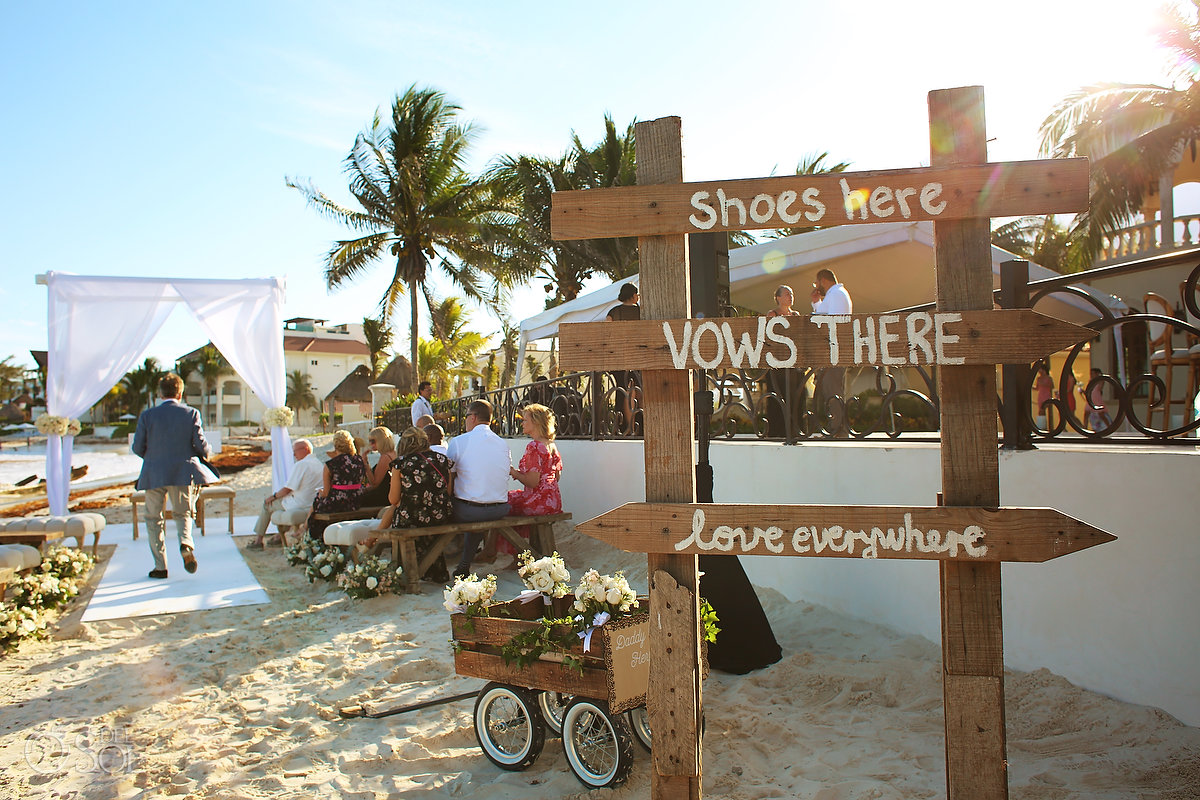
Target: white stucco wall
<point>1120,618</point>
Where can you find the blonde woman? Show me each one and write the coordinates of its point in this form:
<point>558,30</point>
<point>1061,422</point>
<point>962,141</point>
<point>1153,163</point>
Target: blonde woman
<point>345,474</point>
<point>538,471</point>
<point>383,442</point>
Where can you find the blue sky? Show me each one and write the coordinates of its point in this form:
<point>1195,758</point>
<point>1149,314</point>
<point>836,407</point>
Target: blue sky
<point>153,138</point>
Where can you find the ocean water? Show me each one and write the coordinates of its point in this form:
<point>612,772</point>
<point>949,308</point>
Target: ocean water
<point>106,463</point>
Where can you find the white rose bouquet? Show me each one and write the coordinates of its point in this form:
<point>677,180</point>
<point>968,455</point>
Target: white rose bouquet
<point>74,427</point>
<point>326,565</point>
<point>20,622</point>
<point>67,562</point>
<point>50,425</point>
<point>547,576</point>
<point>43,590</point>
<point>600,598</point>
<point>470,595</point>
<point>280,416</point>
<point>370,577</point>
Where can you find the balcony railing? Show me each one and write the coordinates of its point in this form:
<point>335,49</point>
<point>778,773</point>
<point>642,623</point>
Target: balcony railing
<point>1145,239</point>
<point>779,405</point>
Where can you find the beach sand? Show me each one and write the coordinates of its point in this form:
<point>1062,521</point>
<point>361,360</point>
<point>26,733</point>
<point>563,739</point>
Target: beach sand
<point>243,703</point>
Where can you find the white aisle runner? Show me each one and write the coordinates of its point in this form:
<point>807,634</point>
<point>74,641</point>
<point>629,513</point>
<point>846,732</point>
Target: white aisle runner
<point>222,580</point>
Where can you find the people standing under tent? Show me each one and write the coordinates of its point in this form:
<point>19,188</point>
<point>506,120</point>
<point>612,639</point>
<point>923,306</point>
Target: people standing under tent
<point>170,441</point>
<point>830,297</point>
<point>628,382</point>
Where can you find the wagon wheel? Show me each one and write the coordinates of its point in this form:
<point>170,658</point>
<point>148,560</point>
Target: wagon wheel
<point>639,723</point>
<point>508,726</point>
<point>598,745</point>
<point>553,706</point>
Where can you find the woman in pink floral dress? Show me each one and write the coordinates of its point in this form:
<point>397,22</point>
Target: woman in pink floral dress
<point>537,472</point>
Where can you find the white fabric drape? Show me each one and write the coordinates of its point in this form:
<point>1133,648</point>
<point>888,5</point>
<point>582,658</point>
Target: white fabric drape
<point>98,327</point>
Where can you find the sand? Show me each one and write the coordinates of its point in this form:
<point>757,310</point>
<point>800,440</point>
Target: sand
<point>242,703</point>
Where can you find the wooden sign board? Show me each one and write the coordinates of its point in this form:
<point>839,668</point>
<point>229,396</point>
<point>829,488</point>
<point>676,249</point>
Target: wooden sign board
<point>1017,336</point>
<point>627,657</point>
<point>942,533</point>
<point>1006,189</point>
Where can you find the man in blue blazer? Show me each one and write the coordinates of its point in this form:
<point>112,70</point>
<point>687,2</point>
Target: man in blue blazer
<point>170,441</point>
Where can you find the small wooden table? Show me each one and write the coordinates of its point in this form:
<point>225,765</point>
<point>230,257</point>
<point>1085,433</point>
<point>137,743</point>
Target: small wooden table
<point>404,545</point>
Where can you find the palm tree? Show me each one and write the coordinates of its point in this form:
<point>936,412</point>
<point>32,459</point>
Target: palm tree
<point>299,392</point>
<point>211,366</point>
<point>531,180</point>
<point>1133,134</point>
<point>510,334</point>
<point>379,340</point>
<point>417,203</point>
<point>811,164</point>
<point>141,383</point>
<point>11,376</point>
<point>453,350</point>
<point>1039,239</point>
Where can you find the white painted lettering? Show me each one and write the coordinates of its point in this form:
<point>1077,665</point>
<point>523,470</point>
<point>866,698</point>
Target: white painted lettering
<point>916,336</point>
<point>710,213</point>
<point>810,199</point>
<point>760,200</point>
<point>725,203</point>
<point>678,354</point>
<point>800,538</point>
<point>704,363</point>
<point>902,196</point>
<point>786,198</point>
<point>929,195</point>
<point>750,350</point>
<point>832,321</point>
<point>852,199</point>
<point>941,338</point>
<point>864,340</point>
<point>881,202</point>
<point>772,361</point>
<point>885,339</point>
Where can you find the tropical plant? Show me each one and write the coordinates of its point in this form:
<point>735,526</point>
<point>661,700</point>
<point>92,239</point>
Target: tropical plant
<point>510,334</point>
<point>185,368</point>
<point>11,376</point>
<point>1132,133</point>
<point>1039,239</point>
<point>299,391</point>
<point>140,384</point>
<point>452,351</point>
<point>811,164</point>
<point>418,205</point>
<point>531,180</point>
<point>379,340</point>
<point>211,366</point>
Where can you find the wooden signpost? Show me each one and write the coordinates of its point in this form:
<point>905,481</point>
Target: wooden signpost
<point>970,536</point>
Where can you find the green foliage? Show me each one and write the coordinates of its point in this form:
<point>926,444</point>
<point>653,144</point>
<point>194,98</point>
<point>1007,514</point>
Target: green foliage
<point>400,401</point>
<point>299,391</point>
<point>708,621</point>
<point>124,430</point>
<point>547,636</point>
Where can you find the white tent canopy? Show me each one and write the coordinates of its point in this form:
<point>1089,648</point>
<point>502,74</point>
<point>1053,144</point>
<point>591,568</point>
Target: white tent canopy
<point>99,326</point>
<point>885,267</point>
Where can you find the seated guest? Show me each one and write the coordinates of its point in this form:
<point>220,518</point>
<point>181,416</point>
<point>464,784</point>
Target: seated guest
<point>381,441</point>
<point>424,421</point>
<point>420,494</point>
<point>436,436</point>
<point>344,476</point>
<point>297,494</point>
<point>481,464</point>
<point>538,473</point>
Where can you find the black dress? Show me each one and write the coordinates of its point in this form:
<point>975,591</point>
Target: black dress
<point>345,471</point>
<point>424,501</point>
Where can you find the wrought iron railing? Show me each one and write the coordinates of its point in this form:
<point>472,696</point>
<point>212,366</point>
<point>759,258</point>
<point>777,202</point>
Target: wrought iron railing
<point>785,405</point>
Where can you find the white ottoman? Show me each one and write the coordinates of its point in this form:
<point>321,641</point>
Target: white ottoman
<point>19,557</point>
<point>351,532</point>
<point>39,530</point>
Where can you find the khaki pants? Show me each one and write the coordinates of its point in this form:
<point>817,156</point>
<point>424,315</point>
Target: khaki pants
<point>183,508</point>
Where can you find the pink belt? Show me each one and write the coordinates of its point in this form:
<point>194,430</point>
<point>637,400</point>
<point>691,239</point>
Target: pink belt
<point>347,486</point>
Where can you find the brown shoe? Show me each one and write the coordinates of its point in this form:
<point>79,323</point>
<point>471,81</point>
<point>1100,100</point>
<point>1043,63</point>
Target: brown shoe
<point>189,558</point>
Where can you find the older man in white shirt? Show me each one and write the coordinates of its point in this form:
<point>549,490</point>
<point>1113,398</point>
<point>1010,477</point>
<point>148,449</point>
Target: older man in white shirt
<point>481,464</point>
<point>290,505</point>
<point>830,297</point>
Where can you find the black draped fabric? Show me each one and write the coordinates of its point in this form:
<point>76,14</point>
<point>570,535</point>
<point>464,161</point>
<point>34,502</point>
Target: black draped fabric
<point>746,641</point>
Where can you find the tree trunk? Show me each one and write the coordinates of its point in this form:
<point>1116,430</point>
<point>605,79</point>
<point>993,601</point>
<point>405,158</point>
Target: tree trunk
<point>413,330</point>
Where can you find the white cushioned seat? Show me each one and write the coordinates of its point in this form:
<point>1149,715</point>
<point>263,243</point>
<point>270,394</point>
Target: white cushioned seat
<point>74,526</point>
<point>351,532</point>
<point>290,518</point>
<point>18,557</point>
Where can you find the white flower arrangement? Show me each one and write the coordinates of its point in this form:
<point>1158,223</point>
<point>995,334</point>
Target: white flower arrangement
<point>326,564</point>
<point>67,562</point>
<point>547,575</point>
<point>74,427</point>
<point>50,425</point>
<point>604,593</point>
<point>278,417</point>
<point>470,595</point>
<point>19,622</point>
<point>43,590</point>
<point>370,577</point>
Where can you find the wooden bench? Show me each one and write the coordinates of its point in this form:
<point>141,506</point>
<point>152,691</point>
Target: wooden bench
<point>207,493</point>
<point>36,531</point>
<point>404,544</point>
<point>366,512</point>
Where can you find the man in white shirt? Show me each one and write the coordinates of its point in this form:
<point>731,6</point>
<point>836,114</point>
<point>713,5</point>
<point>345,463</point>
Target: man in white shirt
<point>481,464</point>
<point>306,479</point>
<point>830,297</point>
<point>421,406</point>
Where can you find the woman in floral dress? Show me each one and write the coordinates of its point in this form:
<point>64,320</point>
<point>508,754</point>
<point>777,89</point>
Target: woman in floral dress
<point>345,477</point>
<point>420,494</point>
<point>538,472</point>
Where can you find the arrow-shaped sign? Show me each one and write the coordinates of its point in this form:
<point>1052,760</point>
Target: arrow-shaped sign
<point>941,533</point>
<point>1012,336</point>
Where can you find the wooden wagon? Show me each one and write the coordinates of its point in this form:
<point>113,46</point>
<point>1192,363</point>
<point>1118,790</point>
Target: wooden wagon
<point>595,698</point>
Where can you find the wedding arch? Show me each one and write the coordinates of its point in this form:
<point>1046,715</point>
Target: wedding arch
<point>98,327</point>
